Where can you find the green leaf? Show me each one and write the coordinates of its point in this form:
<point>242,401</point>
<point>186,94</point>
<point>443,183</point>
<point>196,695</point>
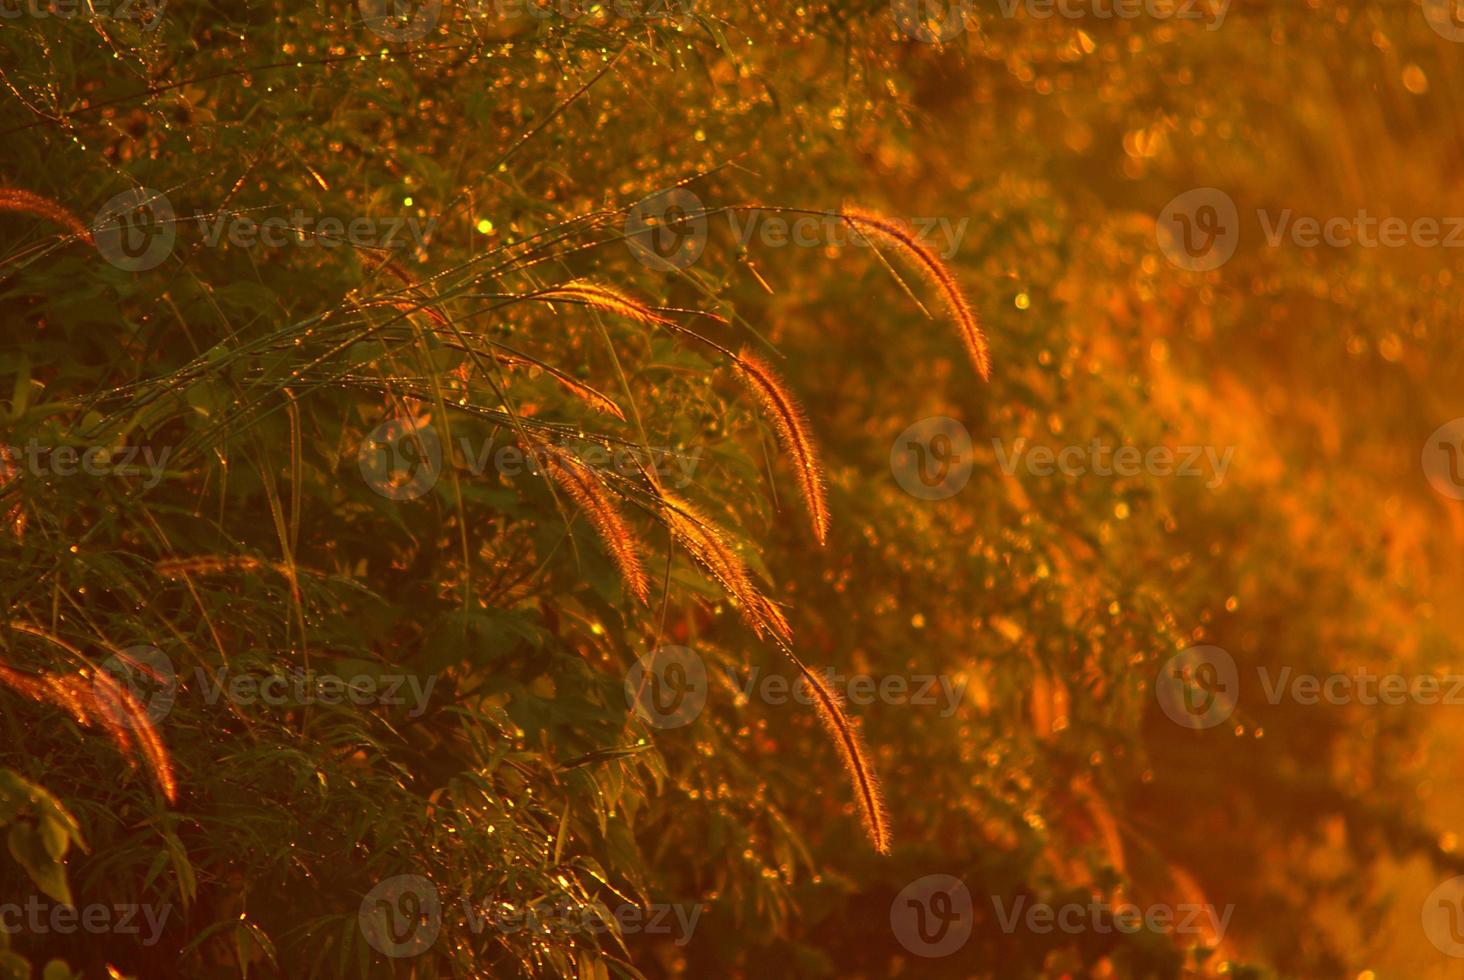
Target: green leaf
<point>15,795</point>
<point>55,835</point>
<point>49,874</point>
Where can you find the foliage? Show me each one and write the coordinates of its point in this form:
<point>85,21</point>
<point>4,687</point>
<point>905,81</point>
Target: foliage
<point>523,779</point>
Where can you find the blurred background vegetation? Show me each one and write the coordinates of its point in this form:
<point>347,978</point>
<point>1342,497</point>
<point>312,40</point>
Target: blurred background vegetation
<point>1056,600</point>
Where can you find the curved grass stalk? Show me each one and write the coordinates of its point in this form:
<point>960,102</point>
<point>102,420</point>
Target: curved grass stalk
<point>708,546</point>
<point>593,397</point>
<point>931,266</point>
<point>851,747</point>
<point>19,201</point>
<point>604,298</point>
<point>792,426</point>
<point>586,490</point>
<point>97,700</point>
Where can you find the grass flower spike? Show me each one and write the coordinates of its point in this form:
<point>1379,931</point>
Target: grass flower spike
<point>792,426</point>
<point>936,271</point>
<point>586,489</point>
